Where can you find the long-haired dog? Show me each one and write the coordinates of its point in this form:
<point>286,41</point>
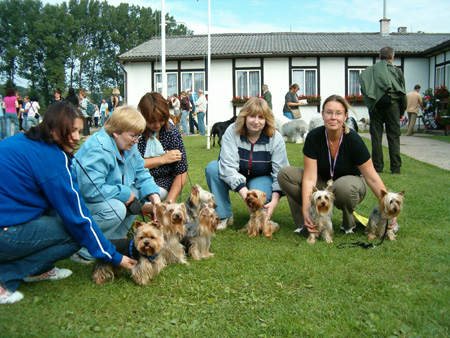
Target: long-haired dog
<point>173,218</point>
<point>364,124</point>
<point>291,130</point>
<point>389,206</point>
<point>218,129</point>
<point>259,221</point>
<point>145,248</point>
<point>195,202</point>
<point>316,121</point>
<point>176,120</point>
<point>199,233</point>
<point>321,209</point>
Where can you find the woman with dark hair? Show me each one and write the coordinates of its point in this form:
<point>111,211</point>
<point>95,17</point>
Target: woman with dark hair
<point>252,153</point>
<point>44,220</point>
<point>334,155</point>
<point>72,97</point>
<point>291,102</point>
<point>57,96</point>
<point>162,148</point>
<point>10,105</point>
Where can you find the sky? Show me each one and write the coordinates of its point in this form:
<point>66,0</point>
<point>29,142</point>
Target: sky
<point>264,16</point>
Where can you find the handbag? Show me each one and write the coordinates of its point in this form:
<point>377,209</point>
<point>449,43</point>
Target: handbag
<point>295,112</point>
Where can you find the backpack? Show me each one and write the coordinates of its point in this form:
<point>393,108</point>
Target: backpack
<point>90,109</point>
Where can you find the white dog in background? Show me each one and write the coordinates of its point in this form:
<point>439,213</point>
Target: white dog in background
<point>315,122</point>
<point>292,130</point>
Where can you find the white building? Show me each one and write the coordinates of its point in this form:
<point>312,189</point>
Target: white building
<point>321,63</point>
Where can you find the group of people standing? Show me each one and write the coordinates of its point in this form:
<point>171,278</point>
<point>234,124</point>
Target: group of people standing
<point>188,106</point>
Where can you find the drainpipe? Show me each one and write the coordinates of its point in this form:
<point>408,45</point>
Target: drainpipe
<point>125,83</point>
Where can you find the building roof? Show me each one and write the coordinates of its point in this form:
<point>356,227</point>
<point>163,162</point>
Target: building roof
<point>287,44</point>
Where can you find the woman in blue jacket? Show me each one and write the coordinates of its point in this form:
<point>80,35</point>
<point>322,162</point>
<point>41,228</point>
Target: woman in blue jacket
<point>251,155</point>
<point>43,218</point>
<point>111,175</point>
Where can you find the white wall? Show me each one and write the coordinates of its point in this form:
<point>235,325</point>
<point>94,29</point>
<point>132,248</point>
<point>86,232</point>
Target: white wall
<point>220,92</point>
<point>276,76</point>
<point>416,72</point>
<point>139,81</point>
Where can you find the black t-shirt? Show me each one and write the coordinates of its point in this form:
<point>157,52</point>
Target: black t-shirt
<point>352,153</point>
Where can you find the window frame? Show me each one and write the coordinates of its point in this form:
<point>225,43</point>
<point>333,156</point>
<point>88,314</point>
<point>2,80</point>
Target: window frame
<point>302,89</point>
<point>352,69</point>
<point>257,89</point>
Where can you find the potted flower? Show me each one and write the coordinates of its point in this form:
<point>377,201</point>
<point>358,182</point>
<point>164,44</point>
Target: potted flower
<point>353,99</point>
<point>313,100</point>
<point>442,93</point>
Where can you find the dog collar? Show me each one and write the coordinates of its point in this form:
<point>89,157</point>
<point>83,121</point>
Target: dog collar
<point>130,251</point>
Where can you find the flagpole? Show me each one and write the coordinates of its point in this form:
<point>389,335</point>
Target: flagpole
<point>163,49</point>
<point>208,138</point>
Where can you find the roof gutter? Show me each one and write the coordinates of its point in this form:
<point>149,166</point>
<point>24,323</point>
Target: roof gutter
<point>125,81</point>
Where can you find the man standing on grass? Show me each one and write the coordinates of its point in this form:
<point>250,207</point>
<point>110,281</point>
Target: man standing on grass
<point>200,106</point>
<point>267,95</point>
<point>192,121</point>
<point>414,102</point>
<point>383,88</point>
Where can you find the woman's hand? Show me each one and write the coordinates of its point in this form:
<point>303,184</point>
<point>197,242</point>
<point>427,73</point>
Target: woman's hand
<point>309,223</point>
<point>172,156</point>
<point>127,263</point>
<point>394,223</point>
<point>270,208</point>
<point>130,200</point>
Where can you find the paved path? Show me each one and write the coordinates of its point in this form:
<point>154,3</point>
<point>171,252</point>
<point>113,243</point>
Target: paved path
<point>422,148</point>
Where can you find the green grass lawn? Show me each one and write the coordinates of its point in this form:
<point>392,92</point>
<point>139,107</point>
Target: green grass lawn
<point>257,287</point>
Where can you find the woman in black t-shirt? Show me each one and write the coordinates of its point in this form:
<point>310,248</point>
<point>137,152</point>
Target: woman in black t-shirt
<point>335,155</point>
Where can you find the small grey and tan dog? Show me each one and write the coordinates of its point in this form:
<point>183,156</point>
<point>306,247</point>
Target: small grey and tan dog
<point>196,200</point>
<point>321,209</point>
<point>389,206</point>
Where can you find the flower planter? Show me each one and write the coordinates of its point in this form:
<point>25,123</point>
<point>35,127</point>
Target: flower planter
<point>355,104</point>
<point>315,103</point>
<point>238,104</point>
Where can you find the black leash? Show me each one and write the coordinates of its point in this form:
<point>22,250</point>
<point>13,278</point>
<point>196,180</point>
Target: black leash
<point>103,196</point>
<point>362,244</point>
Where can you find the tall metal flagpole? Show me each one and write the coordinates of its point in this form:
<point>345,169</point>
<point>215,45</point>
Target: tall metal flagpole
<point>163,49</point>
<point>208,138</point>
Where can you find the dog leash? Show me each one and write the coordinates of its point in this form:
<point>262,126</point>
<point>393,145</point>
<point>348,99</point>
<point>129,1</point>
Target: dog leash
<point>103,196</point>
<point>362,244</point>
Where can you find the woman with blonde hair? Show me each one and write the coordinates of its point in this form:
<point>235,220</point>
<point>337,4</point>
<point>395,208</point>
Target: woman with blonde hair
<point>336,156</point>
<point>112,177</point>
<point>252,153</point>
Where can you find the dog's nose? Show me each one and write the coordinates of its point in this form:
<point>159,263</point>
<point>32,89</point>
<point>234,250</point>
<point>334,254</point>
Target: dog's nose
<point>146,242</point>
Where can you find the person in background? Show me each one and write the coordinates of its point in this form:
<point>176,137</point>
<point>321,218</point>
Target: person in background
<point>2,120</point>
<point>414,102</point>
<point>267,95</point>
<point>176,108</point>
<point>252,153</point>
<point>72,97</point>
<point>54,222</point>
<point>10,105</point>
<point>162,148</point>
<point>103,108</point>
<point>118,99</point>
<point>383,88</point>
<point>96,116</point>
<point>111,101</point>
<point>200,107</point>
<point>57,96</point>
<point>192,120</point>
<point>32,109</point>
<point>111,175</point>
<point>185,106</point>
<point>82,105</point>
<point>19,111</point>
<point>291,101</point>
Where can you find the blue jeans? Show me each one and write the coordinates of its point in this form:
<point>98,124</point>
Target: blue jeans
<point>108,222</point>
<point>11,117</point>
<point>32,122</point>
<point>102,118</point>
<point>2,128</point>
<point>32,248</point>
<point>184,116</point>
<point>288,115</point>
<point>25,121</point>
<point>221,190</point>
<point>201,123</point>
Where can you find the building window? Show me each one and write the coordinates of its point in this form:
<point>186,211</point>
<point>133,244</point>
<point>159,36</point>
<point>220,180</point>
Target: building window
<point>172,83</point>
<point>439,81</point>
<point>193,81</point>
<point>447,75</point>
<point>353,81</point>
<point>248,82</point>
<point>307,81</point>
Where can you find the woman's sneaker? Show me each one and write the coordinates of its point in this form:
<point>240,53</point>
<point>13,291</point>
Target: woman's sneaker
<point>224,222</point>
<point>76,257</point>
<point>7,297</point>
<point>53,274</point>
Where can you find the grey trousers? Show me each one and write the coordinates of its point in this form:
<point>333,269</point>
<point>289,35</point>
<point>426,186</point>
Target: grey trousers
<point>349,191</point>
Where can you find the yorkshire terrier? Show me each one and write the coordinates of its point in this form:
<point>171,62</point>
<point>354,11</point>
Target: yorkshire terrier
<point>199,233</point>
<point>196,200</point>
<point>321,209</point>
<point>389,206</point>
<point>259,222</point>
<point>173,218</point>
<point>145,248</point>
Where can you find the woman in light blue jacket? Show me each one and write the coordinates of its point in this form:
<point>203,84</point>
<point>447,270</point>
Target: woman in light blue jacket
<point>111,174</point>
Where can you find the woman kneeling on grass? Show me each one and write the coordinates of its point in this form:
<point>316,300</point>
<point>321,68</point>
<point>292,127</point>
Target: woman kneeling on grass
<point>252,153</point>
<point>333,155</point>
<point>44,220</point>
